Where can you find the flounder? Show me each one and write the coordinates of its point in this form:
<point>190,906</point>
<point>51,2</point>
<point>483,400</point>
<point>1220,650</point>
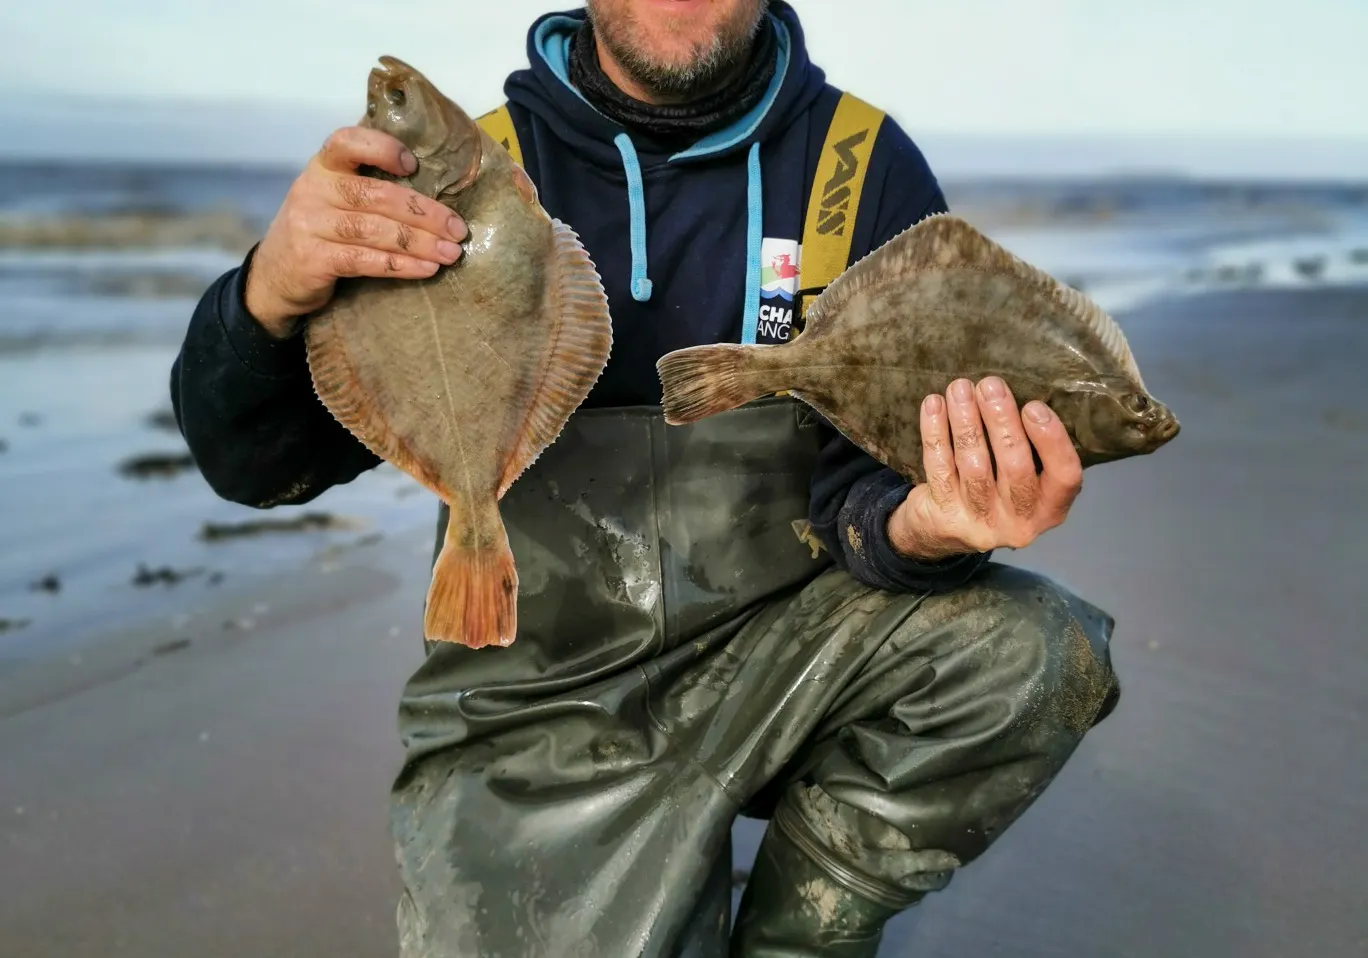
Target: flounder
<point>464,378</point>
<point>937,302</point>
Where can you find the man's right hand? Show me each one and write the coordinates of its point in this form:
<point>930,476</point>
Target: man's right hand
<point>335,223</point>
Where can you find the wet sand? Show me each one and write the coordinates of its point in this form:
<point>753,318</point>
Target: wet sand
<point>217,787</point>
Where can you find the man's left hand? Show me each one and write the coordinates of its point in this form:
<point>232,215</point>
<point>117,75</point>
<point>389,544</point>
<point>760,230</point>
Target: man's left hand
<point>963,507</point>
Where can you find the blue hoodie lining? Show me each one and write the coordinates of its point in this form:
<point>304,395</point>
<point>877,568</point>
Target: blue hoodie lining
<point>552,41</point>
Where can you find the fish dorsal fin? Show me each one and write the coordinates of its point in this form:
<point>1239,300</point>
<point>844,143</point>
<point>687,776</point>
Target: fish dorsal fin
<point>945,241</point>
<point>583,337</point>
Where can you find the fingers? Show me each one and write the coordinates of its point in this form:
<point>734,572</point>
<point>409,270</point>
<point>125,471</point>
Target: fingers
<point>344,189</point>
<point>1016,477</point>
<point>354,146</point>
<point>971,451</point>
<point>347,261</point>
<point>385,235</point>
<point>938,455</point>
<point>1061,476</point>
<point>366,194</point>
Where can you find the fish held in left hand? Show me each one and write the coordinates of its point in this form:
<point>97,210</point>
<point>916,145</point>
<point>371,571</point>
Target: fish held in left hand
<point>462,379</point>
<point>938,302</point>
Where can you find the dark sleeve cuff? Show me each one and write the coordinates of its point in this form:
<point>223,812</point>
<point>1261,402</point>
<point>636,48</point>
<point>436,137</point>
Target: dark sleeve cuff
<point>257,349</point>
<point>869,553</point>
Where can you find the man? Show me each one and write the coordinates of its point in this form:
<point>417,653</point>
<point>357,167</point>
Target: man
<point>890,704</point>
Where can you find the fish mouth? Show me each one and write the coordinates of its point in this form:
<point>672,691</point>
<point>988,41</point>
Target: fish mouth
<point>393,68</point>
<point>1167,429</point>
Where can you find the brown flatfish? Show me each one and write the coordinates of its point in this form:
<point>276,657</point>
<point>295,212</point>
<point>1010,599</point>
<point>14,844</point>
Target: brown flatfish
<point>463,379</point>
<point>935,303</point>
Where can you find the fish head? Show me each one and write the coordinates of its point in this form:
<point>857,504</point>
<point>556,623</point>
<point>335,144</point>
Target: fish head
<point>405,104</point>
<point>1122,420</point>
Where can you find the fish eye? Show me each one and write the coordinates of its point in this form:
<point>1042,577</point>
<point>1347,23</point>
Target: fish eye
<point>1137,402</point>
<point>395,96</point>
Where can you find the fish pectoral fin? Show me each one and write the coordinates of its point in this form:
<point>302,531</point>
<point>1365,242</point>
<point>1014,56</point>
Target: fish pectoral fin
<point>582,337</point>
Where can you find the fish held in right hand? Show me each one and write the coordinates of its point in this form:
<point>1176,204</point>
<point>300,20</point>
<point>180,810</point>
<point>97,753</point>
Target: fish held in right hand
<point>937,303</point>
<point>337,222</point>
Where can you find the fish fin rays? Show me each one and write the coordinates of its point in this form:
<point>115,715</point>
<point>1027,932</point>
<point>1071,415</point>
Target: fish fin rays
<point>473,597</point>
<point>583,334</point>
<point>945,241</point>
<point>336,384</point>
<point>702,381</point>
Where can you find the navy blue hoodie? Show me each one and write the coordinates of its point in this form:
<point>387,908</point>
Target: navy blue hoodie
<point>681,241</point>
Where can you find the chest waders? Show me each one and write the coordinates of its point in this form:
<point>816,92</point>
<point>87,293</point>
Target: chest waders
<point>682,658</point>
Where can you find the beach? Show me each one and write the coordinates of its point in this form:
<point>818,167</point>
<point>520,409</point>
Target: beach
<point>197,714</point>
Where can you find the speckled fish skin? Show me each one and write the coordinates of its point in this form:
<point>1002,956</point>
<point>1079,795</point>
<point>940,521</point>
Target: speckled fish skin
<point>938,302</point>
<point>462,379</point>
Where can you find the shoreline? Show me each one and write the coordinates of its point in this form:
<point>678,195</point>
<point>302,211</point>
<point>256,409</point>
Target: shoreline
<point>228,753</point>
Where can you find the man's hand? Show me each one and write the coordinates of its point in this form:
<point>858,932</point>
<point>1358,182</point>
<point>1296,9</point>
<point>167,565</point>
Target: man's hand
<point>335,222</point>
<point>963,507</point>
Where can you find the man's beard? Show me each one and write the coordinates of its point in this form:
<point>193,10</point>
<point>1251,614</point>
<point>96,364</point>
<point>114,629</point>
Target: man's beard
<point>709,64</point>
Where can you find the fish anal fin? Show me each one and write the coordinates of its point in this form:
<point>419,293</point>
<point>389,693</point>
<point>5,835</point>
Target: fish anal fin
<point>583,334</point>
<point>946,241</point>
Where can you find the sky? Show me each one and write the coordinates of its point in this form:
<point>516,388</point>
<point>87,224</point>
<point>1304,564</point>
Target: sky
<point>1162,78</point>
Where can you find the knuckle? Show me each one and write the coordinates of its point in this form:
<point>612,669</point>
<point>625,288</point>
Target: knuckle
<point>351,226</point>
<point>404,236</point>
<point>968,437</point>
<point>978,492</point>
<point>394,264</point>
<point>356,192</point>
<point>1024,500</point>
<point>942,490</point>
<point>346,261</point>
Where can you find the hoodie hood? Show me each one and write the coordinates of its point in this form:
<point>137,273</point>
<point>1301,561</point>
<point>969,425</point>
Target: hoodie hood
<point>544,89</point>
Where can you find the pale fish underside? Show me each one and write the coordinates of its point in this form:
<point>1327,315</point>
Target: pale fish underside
<point>463,379</point>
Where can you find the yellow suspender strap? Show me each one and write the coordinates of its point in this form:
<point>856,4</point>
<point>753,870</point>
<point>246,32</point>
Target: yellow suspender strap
<point>835,197</point>
<point>498,123</point>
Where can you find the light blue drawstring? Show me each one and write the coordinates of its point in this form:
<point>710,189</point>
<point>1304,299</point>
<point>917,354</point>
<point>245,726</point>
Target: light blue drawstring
<point>636,205</point>
<point>750,315</point>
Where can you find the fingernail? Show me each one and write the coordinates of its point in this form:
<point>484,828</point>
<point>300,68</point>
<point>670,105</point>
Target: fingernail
<point>1038,411</point>
<point>408,162</point>
<point>932,404</point>
<point>993,388</point>
<point>457,228</point>
<point>447,249</point>
<point>961,391</point>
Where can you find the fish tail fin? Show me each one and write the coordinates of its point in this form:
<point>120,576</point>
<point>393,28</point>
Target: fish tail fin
<point>701,381</point>
<point>473,597</point>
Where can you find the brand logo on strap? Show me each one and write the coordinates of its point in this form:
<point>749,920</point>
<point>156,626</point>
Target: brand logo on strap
<point>836,191</point>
